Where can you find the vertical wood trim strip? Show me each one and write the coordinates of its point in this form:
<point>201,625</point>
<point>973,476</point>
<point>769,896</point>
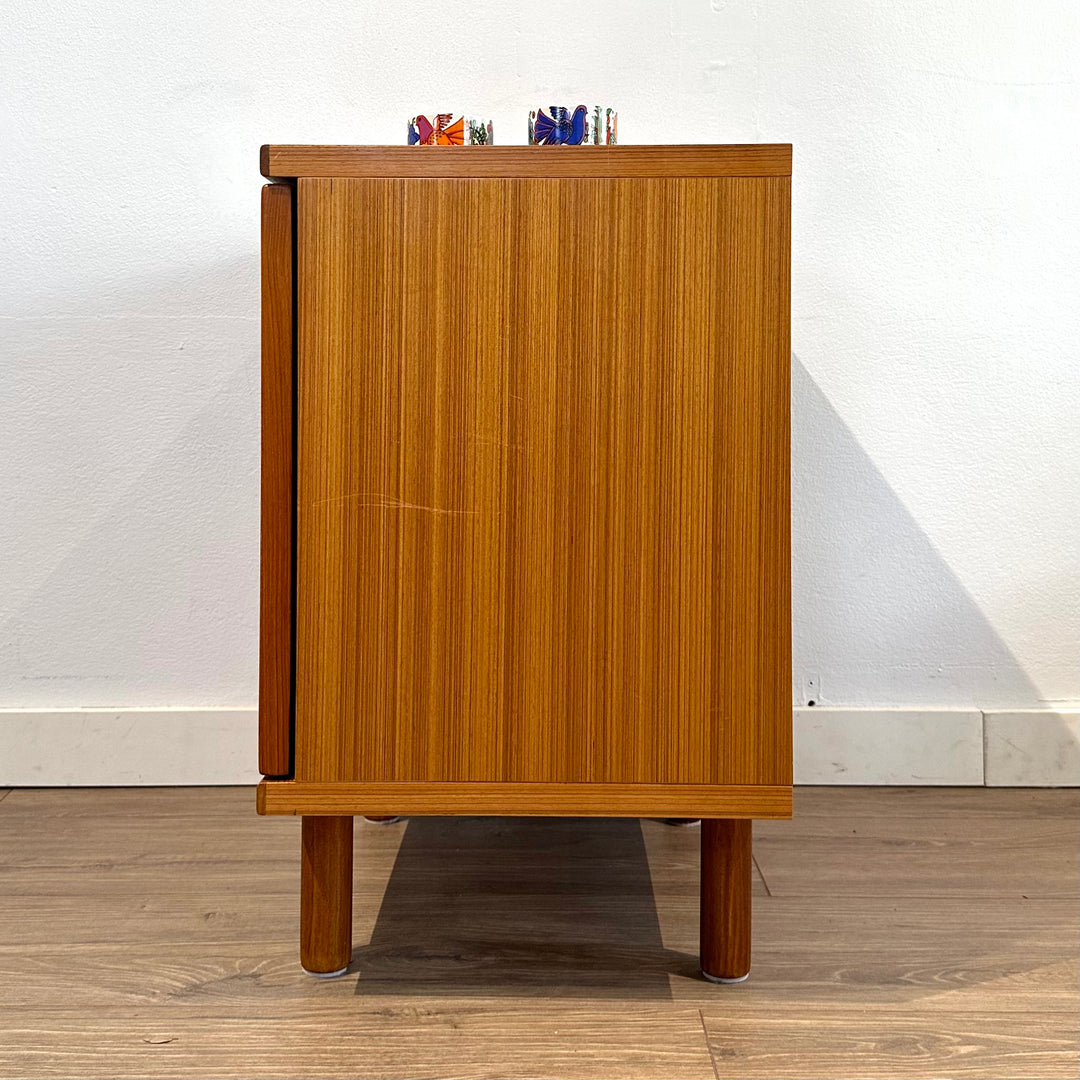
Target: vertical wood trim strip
<point>276,562</point>
<point>779,216</point>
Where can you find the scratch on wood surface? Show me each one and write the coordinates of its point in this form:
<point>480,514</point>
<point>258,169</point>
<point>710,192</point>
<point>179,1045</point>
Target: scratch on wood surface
<point>387,502</point>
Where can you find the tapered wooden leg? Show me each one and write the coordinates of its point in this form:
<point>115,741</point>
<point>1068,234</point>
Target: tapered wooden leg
<point>726,862</point>
<point>326,860</point>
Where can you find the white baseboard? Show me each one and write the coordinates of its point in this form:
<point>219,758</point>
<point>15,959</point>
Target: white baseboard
<point>128,747</point>
<point>120,747</point>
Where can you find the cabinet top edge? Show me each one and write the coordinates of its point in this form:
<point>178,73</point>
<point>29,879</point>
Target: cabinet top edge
<point>283,162</point>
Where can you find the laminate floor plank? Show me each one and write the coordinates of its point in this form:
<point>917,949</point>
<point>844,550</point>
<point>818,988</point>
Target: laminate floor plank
<point>124,802</point>
<point>901,842</point>
<point>154,933</point>
<point>118,844</point>
<point>985,955</point>
<point>828,971</point>
<point>898,810</point>
<point>841,1043</point>
<point>509,1041</point>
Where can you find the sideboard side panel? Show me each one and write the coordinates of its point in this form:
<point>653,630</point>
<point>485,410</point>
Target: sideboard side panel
<point>543,481</point>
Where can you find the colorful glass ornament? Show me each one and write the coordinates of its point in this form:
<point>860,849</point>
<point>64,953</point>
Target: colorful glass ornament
<point>450,129</point>
<point>583,125</point>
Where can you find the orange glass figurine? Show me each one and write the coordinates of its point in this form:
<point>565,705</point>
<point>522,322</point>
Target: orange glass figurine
<point>447,131</point>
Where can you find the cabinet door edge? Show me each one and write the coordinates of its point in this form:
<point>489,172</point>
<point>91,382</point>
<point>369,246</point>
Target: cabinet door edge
<point>277,513</point>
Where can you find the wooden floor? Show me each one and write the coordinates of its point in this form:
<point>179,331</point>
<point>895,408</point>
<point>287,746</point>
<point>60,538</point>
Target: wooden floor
<point>898,933</point>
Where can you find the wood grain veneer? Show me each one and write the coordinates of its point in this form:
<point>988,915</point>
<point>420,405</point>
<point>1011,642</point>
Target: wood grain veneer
<point>276,563</point>
<point>527,800</point>
<point>759,159</point>
<point>543,480</point>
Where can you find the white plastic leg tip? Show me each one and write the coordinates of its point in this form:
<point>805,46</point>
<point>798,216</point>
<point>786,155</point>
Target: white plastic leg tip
<point>718,979</point>
<point>324,974</point>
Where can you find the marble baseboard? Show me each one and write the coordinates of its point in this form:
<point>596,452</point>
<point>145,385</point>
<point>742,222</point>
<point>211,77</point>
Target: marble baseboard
<point>1033,748</point>
<point>961,747</point>
<point>888,746</point>
<point>117,747</point>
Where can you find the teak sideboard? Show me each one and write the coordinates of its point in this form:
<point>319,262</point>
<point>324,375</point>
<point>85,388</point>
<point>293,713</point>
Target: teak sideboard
<point>525,499</point>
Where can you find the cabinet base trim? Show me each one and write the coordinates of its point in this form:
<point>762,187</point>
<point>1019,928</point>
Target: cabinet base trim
<point>524,800</point>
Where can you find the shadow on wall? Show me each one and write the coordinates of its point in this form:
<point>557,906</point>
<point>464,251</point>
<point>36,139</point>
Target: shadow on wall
<point>134,574</point>
<point>879,617</point>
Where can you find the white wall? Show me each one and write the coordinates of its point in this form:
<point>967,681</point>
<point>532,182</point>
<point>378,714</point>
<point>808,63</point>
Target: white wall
<point>935,315</point>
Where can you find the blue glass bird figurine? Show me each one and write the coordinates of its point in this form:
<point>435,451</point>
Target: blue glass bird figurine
<point>560,127</point>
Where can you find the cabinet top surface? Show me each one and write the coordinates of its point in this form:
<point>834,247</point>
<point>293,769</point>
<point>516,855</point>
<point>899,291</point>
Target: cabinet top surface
<point>279,162</point>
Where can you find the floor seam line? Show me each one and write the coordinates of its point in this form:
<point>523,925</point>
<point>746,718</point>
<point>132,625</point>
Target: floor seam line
<point>764,881</point>
<point>708,1044</point>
